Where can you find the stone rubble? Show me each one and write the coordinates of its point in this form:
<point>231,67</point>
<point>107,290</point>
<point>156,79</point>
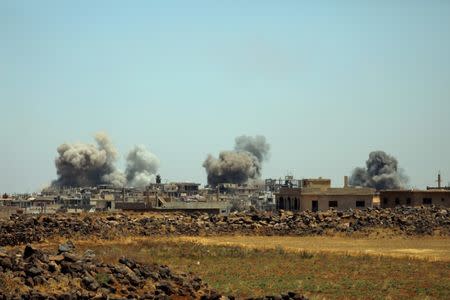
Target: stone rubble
<point>22,229</point>
<point>34,274</point>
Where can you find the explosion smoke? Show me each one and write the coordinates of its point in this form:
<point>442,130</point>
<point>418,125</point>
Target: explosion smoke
<point>142,166</point>
<point>255,145</point>
<point>240,165</point>
<point>381,173</point>
<point>87,164</point>
<point>81,164</point>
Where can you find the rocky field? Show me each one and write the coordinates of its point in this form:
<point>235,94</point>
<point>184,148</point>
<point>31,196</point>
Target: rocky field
<point>22,229</point>
<point>34,274</point>
<point>29,272</point>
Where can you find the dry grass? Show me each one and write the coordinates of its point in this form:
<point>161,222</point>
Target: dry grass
<point>258,270</point>
<point>428,248</point>
<point>62,284</point>
<point>9,285</point>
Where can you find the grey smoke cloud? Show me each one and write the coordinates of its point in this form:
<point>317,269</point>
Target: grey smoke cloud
<point>116,178</point>
<point>381,172</point>
<point>240,165</point>
<point>142,166</point>
<point>255,145</point>
<point>82,164</point>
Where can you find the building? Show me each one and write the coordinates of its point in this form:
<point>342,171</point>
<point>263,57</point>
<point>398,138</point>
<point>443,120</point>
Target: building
<point>43,204</point>
<point>274,185</point>
<point>187,188</point>
<point>316,183</point>
<point>77,202</point>
<point>318,195</point>
<point>103,201</point>
<point>394,198</point>
<point>174,189</point>
<point>176,196</point>
<point>434,195</point>
<point>29,204</point>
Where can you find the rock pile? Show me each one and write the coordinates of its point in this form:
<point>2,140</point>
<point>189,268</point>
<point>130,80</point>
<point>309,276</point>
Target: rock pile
<point>22,229</point>
<point>34,274</point>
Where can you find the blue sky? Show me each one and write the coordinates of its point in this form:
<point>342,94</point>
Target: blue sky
<point>325,81</point>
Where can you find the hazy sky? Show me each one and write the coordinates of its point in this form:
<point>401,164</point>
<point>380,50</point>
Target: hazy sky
<point>325,81</point>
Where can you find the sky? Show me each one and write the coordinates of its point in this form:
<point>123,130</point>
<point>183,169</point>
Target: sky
<point>326,82</point>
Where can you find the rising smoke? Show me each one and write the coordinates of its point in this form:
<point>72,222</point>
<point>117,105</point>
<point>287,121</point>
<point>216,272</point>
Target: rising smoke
<point>81,164</point>
<point>142,166</point>
<point>240,165</point>
<point>87,164</point>
<point>381,172</point>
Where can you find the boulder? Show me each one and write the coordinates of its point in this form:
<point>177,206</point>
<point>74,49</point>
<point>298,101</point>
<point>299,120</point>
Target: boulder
<point>66,247</point>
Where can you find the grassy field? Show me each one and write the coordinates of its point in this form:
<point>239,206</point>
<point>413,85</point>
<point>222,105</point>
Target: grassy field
<point>429,248</point>
<point>263,268</point>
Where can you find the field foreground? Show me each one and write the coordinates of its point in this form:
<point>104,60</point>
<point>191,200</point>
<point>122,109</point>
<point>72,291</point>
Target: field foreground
<point>318,267</point>
<point>428,248</point>
<point>375,253</point>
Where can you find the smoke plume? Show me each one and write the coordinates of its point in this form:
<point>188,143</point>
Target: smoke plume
<point>82,165</point>
<point>142,166</point>
<point>255,145</point>
<point>88,164</point>
<point>240,165</point>
<point>381,172</point>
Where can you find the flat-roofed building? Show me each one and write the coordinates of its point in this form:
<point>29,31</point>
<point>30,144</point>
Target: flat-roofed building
<point>317,194</point>
<point>394,198</point>
<point>336,198</point>
<point>316,183</point>
<point>187,188</point>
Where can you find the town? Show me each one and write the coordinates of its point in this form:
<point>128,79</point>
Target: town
<point>268,195</point>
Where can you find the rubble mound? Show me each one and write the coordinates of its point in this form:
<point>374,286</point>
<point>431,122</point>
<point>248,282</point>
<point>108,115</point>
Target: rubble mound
<point>22,229</point>
<point>34,274</point>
